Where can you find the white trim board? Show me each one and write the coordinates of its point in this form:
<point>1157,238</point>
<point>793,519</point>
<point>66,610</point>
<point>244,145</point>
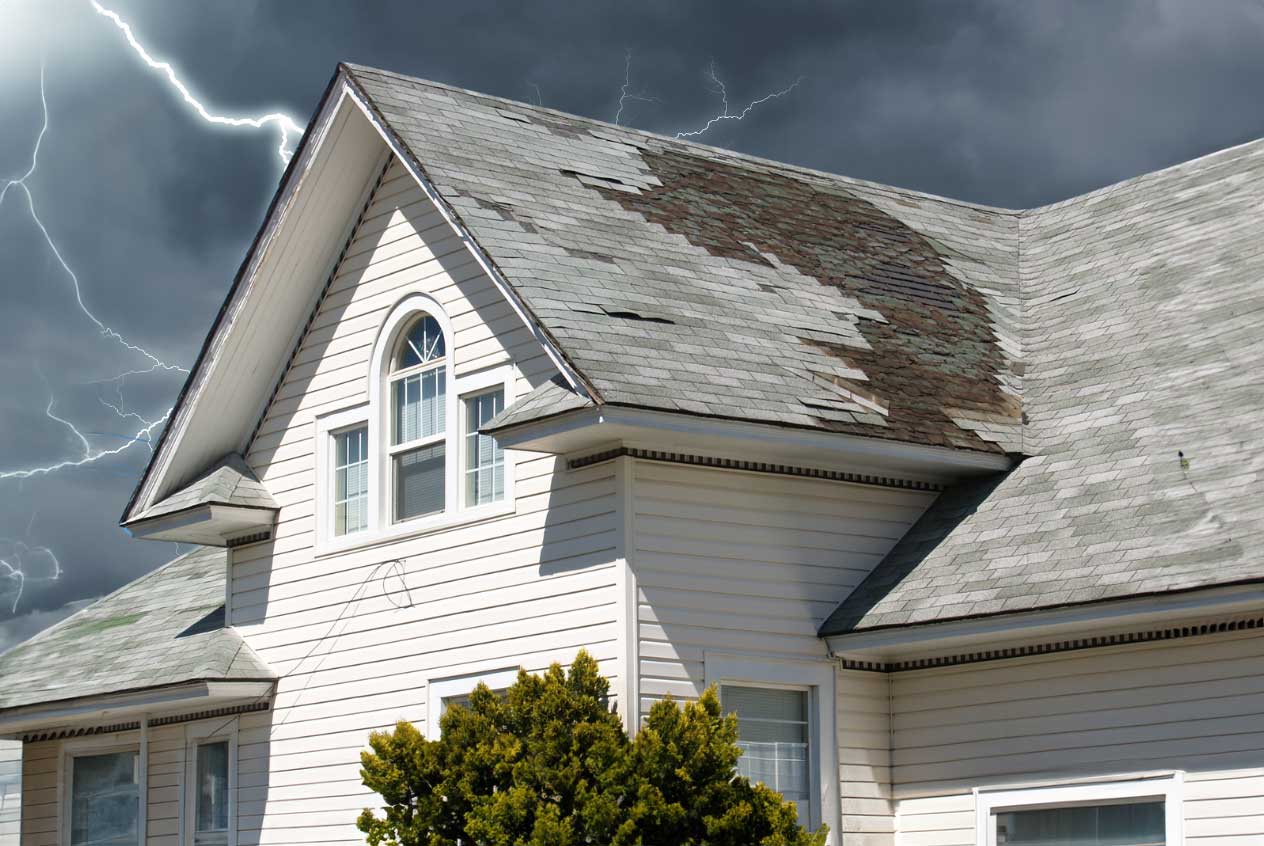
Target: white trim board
<point>439,689</point>
<point>1168,786</point>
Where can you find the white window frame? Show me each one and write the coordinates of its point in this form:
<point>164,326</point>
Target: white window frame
<point>818,679</point>
<point>382,527</point>
<point>437,690</point>
<point>327,427</point>
<point>1168,786</point>
<point>66,776</point>
<point>196,734</point>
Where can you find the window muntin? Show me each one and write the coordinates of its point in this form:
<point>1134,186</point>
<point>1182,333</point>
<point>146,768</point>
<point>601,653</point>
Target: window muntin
<point>419,394</point>
<point>484,458</point>
<point>423,343</point>
<point>105,799</point>
<point>210,826</point>
<point>1126,823</point>
<point>351,481</point>
<point>774,734</point>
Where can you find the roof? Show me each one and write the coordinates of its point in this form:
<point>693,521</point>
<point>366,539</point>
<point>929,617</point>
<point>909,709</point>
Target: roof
<point>1145,409</point>
<point>548,400</point>
<point>680,277</point>
<point>230,481</point>
<point>164,628</point>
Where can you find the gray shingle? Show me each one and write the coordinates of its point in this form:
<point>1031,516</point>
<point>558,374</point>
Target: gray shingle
<point>656,263</point>
<point>230,481</point>
<point>164,628</point>
<point>1143,341</point>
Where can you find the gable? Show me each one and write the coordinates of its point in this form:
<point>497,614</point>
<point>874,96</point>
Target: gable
<point>252,344</point>
<point>401,247</point>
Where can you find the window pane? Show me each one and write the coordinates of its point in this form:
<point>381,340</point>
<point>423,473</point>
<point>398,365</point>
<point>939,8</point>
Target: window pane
<point>422,342</point>
<point>351,481</point>
<point>485,460</point>
<point>212,790</point>
<point>463,699</point>
<point>105,800</point>
<point>772,729</point>
<point>1131,824</point>
<point>419,481</point>
<point>420,405</point>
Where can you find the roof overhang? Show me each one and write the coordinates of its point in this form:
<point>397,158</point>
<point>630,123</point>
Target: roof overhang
<point>1006,631</point>
<point>249,345</point>
<point>205,524</point>
<point>601,427</point>
<point>125,706</point>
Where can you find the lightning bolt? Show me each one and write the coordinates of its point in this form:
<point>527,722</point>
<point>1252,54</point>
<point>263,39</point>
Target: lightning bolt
<point>718,88</point>
<point>626,95</point>
<point>89,454</point>
<point>16,562</point>
<point>283,123</point>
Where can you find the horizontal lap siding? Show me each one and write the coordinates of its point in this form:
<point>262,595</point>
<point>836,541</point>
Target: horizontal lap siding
<point>1195,705</point>
<point>753,563</point>
<point>355,644</point>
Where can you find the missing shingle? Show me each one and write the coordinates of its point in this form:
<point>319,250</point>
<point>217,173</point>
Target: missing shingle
<point>593,181</point>
<point>627,314</point>
<point>588,254</point>
<point>505,212</point>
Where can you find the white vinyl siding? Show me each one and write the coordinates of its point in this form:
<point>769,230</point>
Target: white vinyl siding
<point>1192,705</point>
<point>753,563</point>
<point>356,637</point>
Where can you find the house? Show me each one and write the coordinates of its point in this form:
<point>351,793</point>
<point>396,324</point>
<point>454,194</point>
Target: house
<point>958,505</point>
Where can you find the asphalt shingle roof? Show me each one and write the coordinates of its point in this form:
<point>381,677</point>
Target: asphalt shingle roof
<point>164,628</point>
<point>685,278</point>
<point>230,481</point>
<point>1143,344</point>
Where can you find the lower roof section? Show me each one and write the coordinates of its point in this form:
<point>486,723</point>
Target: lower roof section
<point>163,631</point>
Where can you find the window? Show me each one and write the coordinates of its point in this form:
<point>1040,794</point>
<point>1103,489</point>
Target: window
<point>411,459</point>
<point>419,384</point>
<point>774,734</point>
<point>210,817</point>
<point>105,799</point>
<point>785,717</point>
<point>456,691</point>
<point>351,481</point>
<point>484,459</point>
<point>210,784</point>
<point>1136,812</point>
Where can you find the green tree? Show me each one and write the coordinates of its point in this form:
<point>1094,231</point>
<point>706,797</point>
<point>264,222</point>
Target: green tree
<point>550,765</point>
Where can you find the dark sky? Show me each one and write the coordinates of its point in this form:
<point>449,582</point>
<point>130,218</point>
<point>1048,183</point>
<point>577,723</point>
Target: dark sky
<point>1015,103</point>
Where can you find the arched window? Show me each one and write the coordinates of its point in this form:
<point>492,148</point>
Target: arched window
<point>418,380</point>
<point>413,458</point>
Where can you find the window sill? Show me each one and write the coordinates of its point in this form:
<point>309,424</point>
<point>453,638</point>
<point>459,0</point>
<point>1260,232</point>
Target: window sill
<point>414,528</point>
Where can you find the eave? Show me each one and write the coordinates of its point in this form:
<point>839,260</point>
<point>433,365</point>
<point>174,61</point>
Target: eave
<point>201,694</point>
<point>590,429</point>
<point>206,524</point>
<point>1051,629</point>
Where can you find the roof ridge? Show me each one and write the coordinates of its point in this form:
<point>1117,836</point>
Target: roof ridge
<point>724,151</point>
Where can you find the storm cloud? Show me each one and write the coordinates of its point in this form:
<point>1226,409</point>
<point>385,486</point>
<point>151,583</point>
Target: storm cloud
<point>1008,103</point>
